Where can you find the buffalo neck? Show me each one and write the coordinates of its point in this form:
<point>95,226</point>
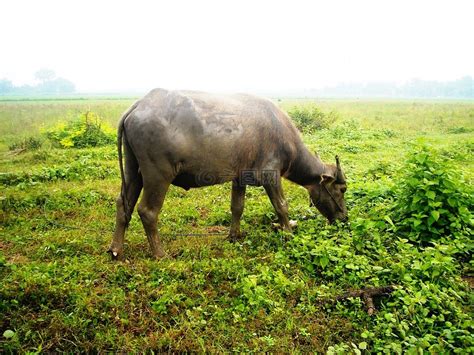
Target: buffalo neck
<point>306,168</point>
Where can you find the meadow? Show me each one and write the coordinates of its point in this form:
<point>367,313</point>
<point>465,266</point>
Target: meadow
<point>409,166</point>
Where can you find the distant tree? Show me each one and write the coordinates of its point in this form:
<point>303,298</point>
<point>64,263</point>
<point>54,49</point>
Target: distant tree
<point>466,87</point>
<point>461,88</point>
<point>24,90</point>
<point>6,86</point>
<point>62,85</point>
<point>44,75</point>
<point>56,86</point>
<point>65,85</point>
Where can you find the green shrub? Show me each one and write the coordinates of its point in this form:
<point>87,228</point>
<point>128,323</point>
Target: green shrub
<point>433,200</point>
<point>309,118</point>
<point>88,130</point>
<point>29,143</point>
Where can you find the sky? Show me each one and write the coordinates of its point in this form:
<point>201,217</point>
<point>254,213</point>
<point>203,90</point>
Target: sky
<point>220,45</point>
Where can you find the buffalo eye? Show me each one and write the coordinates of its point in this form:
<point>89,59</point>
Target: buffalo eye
<point>343,189</point>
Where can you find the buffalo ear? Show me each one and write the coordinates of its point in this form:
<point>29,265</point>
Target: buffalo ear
<point>327,179</point>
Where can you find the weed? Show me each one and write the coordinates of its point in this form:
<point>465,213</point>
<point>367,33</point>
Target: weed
<point>30,143</point>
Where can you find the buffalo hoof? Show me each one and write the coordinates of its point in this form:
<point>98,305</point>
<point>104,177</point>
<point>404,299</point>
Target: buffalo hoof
<point>293,223</point>
<point>160,254</point>
<point>236,237</point>
<point>289,228</point>
<point>116,254</point>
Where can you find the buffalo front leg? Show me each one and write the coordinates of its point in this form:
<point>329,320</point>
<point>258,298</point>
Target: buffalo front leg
<point>148,209</point>
<point>277,198</point>
<point>124,215</point>
<point>237,208</point>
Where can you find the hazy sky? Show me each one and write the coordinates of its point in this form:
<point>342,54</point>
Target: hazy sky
<point>235,45</point>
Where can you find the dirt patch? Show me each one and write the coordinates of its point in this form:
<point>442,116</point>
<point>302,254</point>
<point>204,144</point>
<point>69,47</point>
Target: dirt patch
<point>216,229</point>
<point>469,280</point>
<point>4,245</point>
<point>18,259</point>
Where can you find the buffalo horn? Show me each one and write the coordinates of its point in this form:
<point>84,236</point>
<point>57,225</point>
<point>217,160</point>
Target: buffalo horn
<point>340,175</point>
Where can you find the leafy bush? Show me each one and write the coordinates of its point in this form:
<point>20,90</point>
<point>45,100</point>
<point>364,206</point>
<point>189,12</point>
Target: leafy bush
<point>433,200</point>
<point>309,118</point>
<point>30,143</point>
<point>88,130</point>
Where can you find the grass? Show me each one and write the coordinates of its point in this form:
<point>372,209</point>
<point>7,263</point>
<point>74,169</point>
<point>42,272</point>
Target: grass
<point>59,291</point>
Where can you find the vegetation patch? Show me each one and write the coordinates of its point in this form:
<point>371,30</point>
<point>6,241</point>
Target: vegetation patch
<point>309,118</point>
<point>30,143</point>
<point>434,201</point>
<point>87,130</point>
<point>410,209</point>
<point>82,169</point>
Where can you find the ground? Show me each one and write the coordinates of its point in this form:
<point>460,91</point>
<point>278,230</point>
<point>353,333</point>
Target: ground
<point>272,291</point>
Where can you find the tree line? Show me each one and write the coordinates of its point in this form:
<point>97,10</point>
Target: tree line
<point>46,83</point>
<point>462,88</point>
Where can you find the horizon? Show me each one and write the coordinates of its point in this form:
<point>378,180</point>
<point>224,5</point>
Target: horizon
<point>462,89</point>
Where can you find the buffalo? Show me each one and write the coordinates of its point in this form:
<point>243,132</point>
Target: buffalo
<point>192,139</point>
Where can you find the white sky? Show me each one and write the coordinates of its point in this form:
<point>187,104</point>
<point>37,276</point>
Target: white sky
<point>235,45</point>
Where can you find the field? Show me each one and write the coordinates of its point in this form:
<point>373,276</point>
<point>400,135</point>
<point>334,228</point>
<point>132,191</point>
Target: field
<point>59,290</point>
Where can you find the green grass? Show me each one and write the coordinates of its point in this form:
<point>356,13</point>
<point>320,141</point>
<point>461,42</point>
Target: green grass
<point>271,292</point>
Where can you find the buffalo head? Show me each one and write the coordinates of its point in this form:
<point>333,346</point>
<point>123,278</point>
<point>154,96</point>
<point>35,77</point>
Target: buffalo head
<point>327,194</point>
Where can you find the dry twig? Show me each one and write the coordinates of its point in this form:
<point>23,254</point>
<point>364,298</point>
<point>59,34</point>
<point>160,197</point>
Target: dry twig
<point>367,295</point>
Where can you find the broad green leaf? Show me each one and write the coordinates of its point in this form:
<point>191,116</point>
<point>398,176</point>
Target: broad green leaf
<point>431,220</point>
<point>8,334</point>
<point>389,220</point>
<point>324,261</point>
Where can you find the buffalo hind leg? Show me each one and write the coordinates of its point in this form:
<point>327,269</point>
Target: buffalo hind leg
<point>237,208</point>
<point>134,186</point>
<point>277,198</point>
<point>149,209</point>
